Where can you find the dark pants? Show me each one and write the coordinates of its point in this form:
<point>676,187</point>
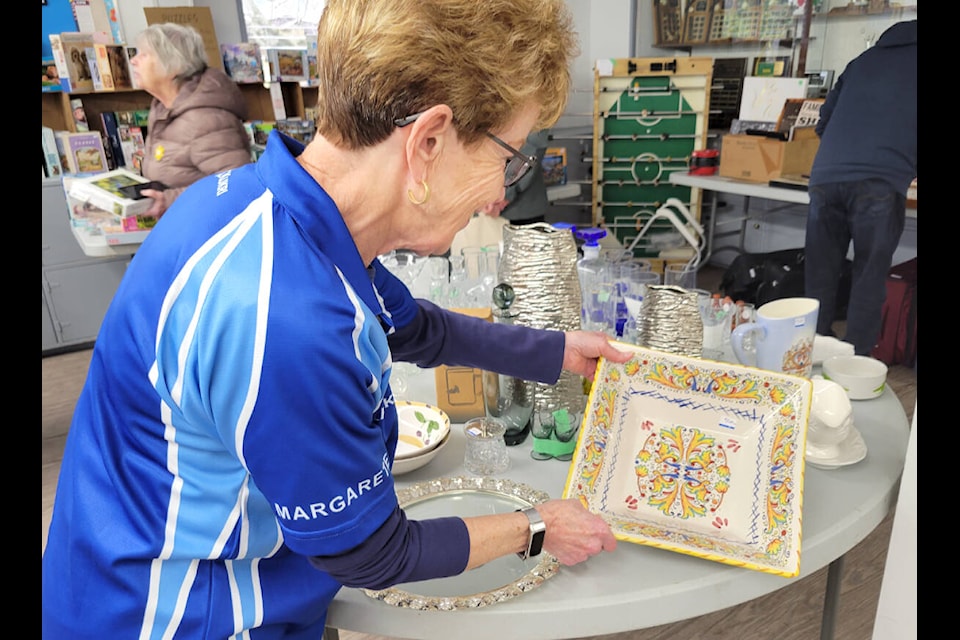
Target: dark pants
<point>871,214</point>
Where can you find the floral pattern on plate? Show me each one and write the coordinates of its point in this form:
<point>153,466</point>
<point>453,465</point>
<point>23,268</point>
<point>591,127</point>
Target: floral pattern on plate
<point>422,427</point>
<point>697,456</point>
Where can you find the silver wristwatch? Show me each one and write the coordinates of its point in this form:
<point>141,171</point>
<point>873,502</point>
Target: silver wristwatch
<point>538,529</point>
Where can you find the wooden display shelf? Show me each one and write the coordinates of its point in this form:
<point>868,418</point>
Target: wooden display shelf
<point>57,113</point>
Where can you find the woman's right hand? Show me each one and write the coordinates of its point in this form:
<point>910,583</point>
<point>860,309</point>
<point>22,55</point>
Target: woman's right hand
<point>574,534</point>
<point>494,208</point>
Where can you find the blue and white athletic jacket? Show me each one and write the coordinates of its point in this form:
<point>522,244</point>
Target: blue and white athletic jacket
<point>237,421</point>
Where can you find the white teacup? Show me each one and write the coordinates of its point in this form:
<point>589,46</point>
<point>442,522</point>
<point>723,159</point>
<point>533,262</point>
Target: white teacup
<point>831,418</point>
<point>782,335</point>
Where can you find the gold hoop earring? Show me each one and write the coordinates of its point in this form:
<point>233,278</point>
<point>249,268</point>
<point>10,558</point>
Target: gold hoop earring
<point>426,194</point>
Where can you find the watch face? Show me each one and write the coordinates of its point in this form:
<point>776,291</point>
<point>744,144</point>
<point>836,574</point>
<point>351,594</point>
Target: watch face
<point>536,542</point>
<point>538,531</point>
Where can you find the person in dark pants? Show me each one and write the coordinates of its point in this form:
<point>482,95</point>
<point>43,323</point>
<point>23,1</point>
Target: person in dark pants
<point>526,202</point>
<point>859,180</point>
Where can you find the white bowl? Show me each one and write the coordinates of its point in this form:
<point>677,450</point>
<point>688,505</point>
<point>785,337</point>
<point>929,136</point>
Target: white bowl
<point>406,465</point>
<point>421,428</point>
<point>861,377</point>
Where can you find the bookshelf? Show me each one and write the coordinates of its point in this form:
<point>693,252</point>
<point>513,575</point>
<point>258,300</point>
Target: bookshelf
<point>57,114</point>
<point>79,282</point>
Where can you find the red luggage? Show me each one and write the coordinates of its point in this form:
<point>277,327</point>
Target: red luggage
<point>897,343</point>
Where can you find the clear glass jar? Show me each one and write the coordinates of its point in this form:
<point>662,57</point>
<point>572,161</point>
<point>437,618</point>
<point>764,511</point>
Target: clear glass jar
<point>486,451</point>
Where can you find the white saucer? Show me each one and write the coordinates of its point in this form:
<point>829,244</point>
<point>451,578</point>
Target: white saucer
<point>852,450</point>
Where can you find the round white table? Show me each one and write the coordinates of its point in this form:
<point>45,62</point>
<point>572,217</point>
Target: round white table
<point>638,586</point>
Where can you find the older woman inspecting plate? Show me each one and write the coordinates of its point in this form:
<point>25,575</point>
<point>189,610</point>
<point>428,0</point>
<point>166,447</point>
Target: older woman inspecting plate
<point>228,467</point>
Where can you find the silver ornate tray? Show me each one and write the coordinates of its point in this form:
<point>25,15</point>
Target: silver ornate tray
<point>499,580</point>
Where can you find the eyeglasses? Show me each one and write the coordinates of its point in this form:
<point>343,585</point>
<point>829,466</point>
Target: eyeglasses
<point>516,167</point>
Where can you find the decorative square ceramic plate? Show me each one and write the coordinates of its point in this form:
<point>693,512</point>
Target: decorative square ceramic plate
<point>696,456</point>
<point>496,581</point>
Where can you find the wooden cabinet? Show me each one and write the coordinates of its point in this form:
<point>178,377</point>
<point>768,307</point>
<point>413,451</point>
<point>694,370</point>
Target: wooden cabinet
<point>57,114</point>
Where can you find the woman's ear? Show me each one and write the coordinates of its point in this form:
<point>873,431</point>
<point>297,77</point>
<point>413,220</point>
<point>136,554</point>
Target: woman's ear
<point>428,134</point>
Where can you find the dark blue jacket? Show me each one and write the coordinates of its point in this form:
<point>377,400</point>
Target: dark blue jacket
<point>868,123</point>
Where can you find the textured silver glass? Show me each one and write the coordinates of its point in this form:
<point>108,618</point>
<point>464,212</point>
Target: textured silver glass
<point>670,321</point>
<point>540,262</point>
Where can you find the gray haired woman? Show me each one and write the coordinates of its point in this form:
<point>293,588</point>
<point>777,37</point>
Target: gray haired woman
<point>195,127</point>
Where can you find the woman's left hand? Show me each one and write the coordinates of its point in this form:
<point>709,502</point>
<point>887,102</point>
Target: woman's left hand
<point>159,206</point>
<point>584,348</point>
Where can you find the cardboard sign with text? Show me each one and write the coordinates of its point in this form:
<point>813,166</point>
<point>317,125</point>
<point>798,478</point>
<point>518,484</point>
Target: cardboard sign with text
<point>460,389</point>
<point>199,18</point>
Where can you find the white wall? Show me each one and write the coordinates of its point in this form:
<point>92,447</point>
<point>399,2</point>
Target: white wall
<point>226,16</point>
<point>897,610</point>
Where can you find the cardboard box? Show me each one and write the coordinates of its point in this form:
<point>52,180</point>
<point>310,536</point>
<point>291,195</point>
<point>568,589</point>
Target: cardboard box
<point>460,389</point>
<point>761,159</point>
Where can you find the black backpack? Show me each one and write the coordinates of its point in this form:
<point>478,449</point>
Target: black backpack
<point>758,278</point>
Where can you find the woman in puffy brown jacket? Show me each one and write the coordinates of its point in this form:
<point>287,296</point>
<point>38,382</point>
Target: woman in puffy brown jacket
<point>195,127</point>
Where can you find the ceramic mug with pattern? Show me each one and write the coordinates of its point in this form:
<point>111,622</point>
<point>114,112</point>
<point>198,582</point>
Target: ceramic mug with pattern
<point>781,337</point>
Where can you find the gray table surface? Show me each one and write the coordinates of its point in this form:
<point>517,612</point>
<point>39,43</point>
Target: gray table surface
<point>638,586</point>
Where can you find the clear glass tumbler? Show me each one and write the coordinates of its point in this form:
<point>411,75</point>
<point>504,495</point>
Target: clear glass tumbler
<point>680,275</point>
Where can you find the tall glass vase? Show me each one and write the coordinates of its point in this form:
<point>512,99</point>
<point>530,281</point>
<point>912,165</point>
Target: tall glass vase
<point>540,263</point>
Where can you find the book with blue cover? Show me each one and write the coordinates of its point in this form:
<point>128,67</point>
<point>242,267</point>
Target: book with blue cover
<point>108,120</point>
<point>51,155</point>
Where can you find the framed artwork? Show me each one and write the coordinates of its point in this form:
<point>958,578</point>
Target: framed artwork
<point>668,22</point>
<point>772,66</point>
<point>763,97</point>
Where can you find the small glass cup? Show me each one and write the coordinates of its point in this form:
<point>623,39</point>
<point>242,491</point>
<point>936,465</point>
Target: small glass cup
<point>743,313</point>
<point>554,430</point>
<point>438,272</point>
<point>680,275</point>
<point>633,299</point>
<point>486,451</point>
<point>715,314</point>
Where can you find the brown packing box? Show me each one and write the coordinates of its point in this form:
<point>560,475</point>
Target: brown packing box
<point>460,389</point>
<point>761,159</point>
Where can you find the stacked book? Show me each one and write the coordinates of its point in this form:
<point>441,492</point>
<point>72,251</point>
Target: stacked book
<point>103,204</point>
